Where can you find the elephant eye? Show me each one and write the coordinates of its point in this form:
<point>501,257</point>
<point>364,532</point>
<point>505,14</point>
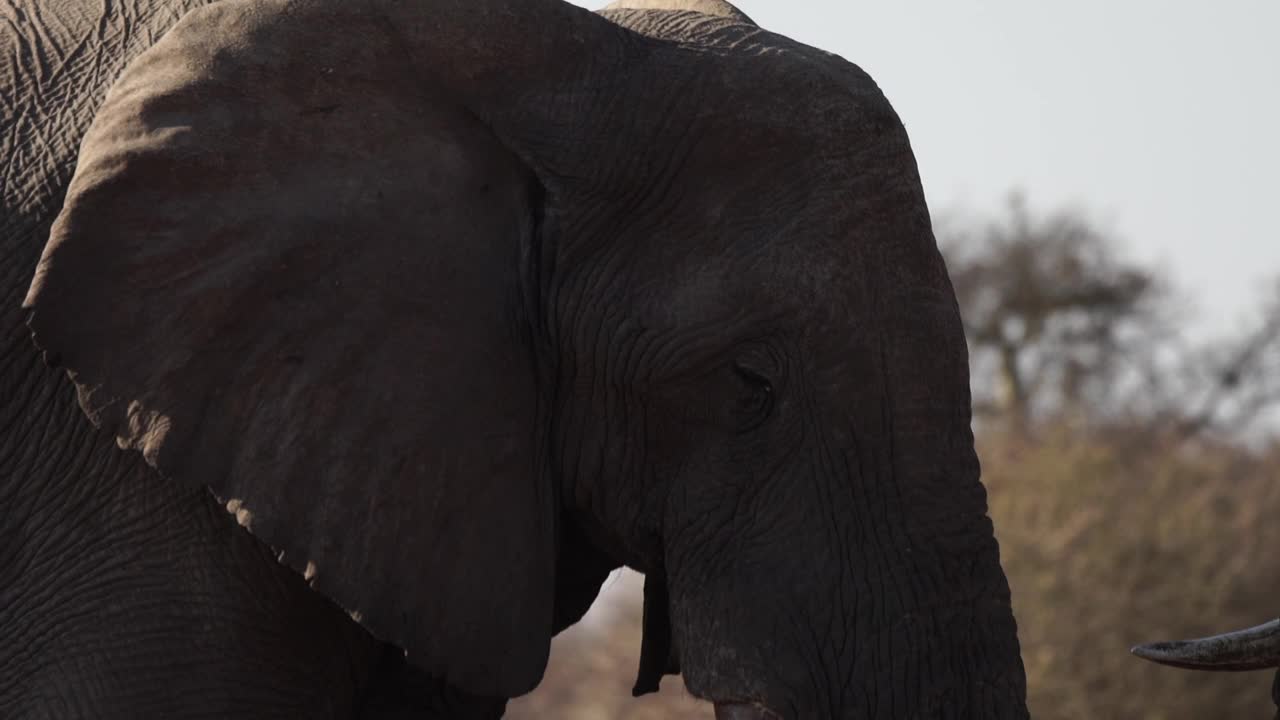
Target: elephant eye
<point>755,402</point>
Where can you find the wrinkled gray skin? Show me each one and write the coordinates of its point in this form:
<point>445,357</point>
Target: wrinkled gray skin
<point>456,306</point>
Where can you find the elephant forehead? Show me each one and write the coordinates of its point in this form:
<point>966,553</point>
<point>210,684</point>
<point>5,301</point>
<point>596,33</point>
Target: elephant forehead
<point>781,284</point>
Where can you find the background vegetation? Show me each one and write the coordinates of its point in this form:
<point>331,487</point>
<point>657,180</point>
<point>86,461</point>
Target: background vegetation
<point>1132,472</point>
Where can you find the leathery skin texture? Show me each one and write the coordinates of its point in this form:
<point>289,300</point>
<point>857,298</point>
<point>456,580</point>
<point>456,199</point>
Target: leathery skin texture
<point>379,327</point>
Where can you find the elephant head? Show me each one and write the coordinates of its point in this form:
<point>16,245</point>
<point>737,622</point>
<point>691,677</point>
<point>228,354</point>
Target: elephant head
<point>447,300</point>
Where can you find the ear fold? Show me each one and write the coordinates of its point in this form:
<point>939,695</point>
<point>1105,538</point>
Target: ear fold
<point>290,270</point>
<point>658,653</point>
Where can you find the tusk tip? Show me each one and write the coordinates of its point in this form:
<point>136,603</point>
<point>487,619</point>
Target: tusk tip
<point>1150,651</point>
<point>1157,652</point>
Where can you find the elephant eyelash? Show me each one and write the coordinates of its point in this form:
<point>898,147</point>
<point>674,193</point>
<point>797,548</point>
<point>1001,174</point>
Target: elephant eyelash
<point>753,377</point>
<point>756,406</point>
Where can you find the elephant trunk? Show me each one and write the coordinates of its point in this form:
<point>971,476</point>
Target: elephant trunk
<point>876,604</point>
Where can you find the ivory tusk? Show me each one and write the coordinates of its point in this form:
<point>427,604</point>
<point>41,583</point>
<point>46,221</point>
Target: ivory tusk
<point>1255,648</point>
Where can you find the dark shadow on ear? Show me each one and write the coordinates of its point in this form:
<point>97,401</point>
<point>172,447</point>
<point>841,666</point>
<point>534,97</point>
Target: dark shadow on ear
<point>658,653</point>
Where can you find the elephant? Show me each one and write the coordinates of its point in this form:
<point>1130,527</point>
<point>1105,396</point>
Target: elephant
<point>1254,648</point>
<point>351,344</point>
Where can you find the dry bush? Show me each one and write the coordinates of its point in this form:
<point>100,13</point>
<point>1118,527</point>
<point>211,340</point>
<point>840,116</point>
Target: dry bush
<point>1126,537</point>
<point>1109,539</point>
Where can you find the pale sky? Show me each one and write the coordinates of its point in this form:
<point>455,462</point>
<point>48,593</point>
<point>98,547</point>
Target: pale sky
<point>1161,119</point>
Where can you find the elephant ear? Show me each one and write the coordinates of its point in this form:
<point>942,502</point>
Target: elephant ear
<point>290,270</point>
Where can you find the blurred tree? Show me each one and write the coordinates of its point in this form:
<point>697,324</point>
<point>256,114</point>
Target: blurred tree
<point>1231,385</point>
<point>1051,311</point>
<point>1062,327</point>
